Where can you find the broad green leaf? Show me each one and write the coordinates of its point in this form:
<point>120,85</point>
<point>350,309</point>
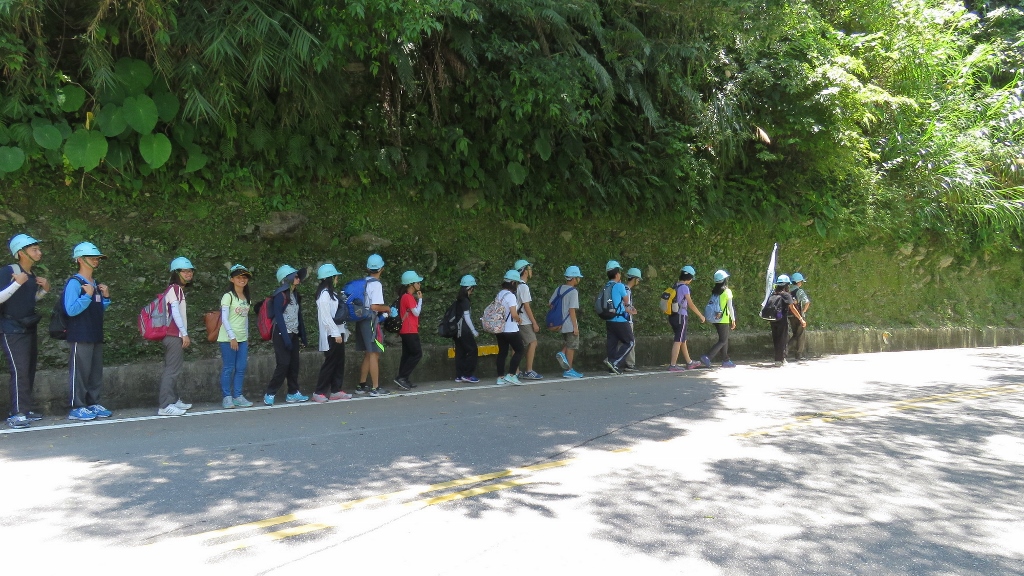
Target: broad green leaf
<point>140,113</point>
<point>11,158</point>
<point>195,162</point>
<point>183,133</point>
<point>136,75</point>
<point>517,172</point>
<point>5,136</point>
<point>111,120</point>
<point>166,105</point>
<point>63,127</point>
<point>70,98</point>
<point>119,154</point>
<point>543,147</point>
<point>47,136</point>
<point>85,149</point>
<point>155,149</point>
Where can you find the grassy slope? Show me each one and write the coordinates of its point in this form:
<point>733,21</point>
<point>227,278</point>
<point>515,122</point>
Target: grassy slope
<point>853,282</point>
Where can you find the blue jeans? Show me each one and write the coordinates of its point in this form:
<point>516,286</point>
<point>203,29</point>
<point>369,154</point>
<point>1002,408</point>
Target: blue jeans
<point>234,368</point>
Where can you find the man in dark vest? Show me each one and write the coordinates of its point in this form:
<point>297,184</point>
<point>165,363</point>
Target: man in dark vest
<point>19,291</point>
<point>85,301</point>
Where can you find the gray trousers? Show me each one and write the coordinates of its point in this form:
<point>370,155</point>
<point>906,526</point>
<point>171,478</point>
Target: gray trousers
<point>631,355</point>
<point>85,368</point>
<point>174,360</point>
<point>21,353</point>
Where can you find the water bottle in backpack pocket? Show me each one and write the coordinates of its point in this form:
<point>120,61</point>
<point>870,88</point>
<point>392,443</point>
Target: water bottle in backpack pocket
<point>604,304</point>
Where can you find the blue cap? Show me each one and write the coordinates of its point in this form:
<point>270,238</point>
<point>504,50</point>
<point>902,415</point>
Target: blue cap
<point>327,271</point>
<point>573,272</point>
<point>19,242</point>
<point>797,277</point>
<point>612,265</point>
<point>634,273</point>
<point>689,270</point>
<point>721,275</point>
<point>181,263</point>
<point>285,271</point>
<point>520,264</point>
<point>86,249</point>
<point>512,276</point>
<point>239,270</point>
<point>374,262</point>
<point>782,279</point>
<point>409,277</point>
<point>467,281</point>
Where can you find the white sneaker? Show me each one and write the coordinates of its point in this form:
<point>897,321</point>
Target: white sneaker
<point>182,405</point>
<point>171,410</point>
<point>501,381</point>
<point>512,379</point>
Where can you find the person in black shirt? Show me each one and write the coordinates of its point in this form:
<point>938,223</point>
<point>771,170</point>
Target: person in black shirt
<point>780,327</point>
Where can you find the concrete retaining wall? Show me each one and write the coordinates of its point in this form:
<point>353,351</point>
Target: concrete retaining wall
<point>135,385</point>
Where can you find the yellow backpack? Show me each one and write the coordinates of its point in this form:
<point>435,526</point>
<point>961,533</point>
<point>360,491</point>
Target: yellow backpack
<point>668,303</point>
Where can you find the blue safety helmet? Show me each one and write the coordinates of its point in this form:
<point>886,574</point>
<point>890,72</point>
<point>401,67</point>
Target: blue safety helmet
<point>634,273</point>
<point>521,264</point>
<point>86,249</point>
<point>612,265</point>
<point>410,277</point>
<point>374,262</point>
<point>181,263</point>
<point>782,280</point>
<point>512,276</point>
<point>797,277</point>
<point>327,271</point>
<point>721,275</point>
<point>573,272</point>
<point>19,242</point>
<point>468,281</point>
<point>689,270</point>
<point>284,272</point>
<point>238,270</point>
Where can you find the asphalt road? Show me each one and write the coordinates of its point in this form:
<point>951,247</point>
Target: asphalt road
<point>897,463</point>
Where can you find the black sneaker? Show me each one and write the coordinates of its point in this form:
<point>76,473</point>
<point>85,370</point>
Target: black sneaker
<point>362,388</point>
<point>379,392</point>
<point>402,383</point>
<point>630,368</point>
<point>33,416</point>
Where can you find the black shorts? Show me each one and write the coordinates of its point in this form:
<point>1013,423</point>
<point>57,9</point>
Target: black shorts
<point>679,323</point>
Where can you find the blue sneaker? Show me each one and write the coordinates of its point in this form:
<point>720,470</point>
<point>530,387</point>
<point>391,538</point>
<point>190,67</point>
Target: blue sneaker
<point>470,379</point>
<point>100,411</point>
<point>297,397</point>
<point>532,375</point>
<point>268,399</point>
<point>571,374</point>
<point>705,361</point>
<point>18,421</point>
<point>728,364</point>
<point>81,414</point>
<point>563,361</point>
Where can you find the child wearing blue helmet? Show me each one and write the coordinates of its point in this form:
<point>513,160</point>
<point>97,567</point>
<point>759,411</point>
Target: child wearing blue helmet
<point>85,301</point>
<point>20,289</point>
<point>466,351</point>
<point>176,340</point>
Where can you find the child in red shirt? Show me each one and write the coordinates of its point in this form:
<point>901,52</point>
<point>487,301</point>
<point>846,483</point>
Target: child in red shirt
<point>409,307</point>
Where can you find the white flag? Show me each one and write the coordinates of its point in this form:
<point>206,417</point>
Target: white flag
<point>769,277</point>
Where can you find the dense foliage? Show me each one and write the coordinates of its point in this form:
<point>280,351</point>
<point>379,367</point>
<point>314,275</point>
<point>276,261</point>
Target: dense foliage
<point>904,113</point>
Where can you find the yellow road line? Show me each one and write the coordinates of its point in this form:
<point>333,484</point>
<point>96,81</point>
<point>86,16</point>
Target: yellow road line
<point>909,404</point>
<point>275,536</point>
<point>472,492</point>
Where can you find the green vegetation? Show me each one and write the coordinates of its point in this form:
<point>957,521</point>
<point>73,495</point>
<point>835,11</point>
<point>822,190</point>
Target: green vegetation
<point>905,114</point>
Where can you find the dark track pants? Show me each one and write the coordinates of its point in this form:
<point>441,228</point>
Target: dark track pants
<point>620,341</point>
<point>505,341</point>
<point>22,354</point>
<point>412,352</point>
<point>332,371</point>
<point>85,373</point>
<point>780,338</point>
<point>287,365</point>
<point>466,355</point>
<point>798,341</point>
<point>723,342</point>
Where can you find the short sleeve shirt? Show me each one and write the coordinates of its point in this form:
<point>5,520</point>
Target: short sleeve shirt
<point>522,297</point>
<point>618,293</point>
<point>787,299</point>
<point>682,290</point>
<point>411,324</point>
<point>238,318</point>
<point>508,300</point>
<point>374,292</point>
<point>570,299</point>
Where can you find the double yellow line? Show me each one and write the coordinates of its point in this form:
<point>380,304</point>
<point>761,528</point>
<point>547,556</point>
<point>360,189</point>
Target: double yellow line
<point>910,404</point>
<point>305,515</point>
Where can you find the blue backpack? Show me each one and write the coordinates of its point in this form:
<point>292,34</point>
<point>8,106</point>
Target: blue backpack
<point>557,317</point>
<point>355,305</point>
<point>713,309</point>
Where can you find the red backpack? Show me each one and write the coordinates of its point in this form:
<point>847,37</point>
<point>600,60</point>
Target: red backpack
<point>155,317</point>
<point>265,319</point>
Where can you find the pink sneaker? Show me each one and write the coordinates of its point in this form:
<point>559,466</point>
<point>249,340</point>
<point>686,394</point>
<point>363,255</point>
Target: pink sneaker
<point>676,368</point>
<point>340,396</point>
<point>319,398</point>
<point>693,365</point>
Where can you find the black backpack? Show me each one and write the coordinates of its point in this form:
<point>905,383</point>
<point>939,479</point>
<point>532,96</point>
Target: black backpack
<point>604,305</point>
<point>448,327</point>
<point>393,324</point>
<point>774,309</point>
<point>59,318</point>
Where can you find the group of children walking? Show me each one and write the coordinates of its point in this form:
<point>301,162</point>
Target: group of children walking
<point>78,318</point>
